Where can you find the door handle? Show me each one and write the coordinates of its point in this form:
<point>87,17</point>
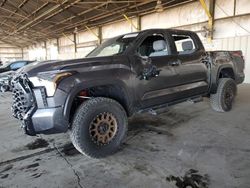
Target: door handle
<point>175,63</point>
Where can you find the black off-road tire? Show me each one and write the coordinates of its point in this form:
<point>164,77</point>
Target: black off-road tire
<point>223,99</point>
<point>80,131</point>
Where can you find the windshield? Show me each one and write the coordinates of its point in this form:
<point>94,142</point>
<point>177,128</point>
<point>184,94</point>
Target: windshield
<point>113,46</point>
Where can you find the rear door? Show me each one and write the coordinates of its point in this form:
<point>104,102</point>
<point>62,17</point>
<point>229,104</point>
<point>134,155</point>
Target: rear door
<point>192,72</point>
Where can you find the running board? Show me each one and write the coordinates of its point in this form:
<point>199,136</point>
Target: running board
<point>195,100</point>
<point>165,107</point>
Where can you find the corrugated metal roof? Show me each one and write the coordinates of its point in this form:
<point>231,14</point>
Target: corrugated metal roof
<point>23,22</point>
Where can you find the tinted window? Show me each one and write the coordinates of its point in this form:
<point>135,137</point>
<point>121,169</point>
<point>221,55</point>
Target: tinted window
<point>184,44</point>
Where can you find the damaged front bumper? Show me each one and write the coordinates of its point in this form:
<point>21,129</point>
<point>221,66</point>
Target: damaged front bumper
<point>37,113</point>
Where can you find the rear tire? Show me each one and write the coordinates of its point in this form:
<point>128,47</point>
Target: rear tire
<point>99,127</point>
<point>223,99</point>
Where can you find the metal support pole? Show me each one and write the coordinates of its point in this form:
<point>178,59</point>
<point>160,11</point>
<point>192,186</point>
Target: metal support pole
<point>75,43</point>
<point>45,46</point>
<point>99,35</point>
<point>211,10</point>
<point>210,14</point>
<point>235,4</point>
<point>139,23</point>
<point>22,53</point>
<point>57,45</point>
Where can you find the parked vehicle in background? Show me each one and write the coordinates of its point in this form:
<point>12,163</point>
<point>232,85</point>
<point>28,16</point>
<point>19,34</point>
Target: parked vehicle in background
<point>13,66</point>
<point>132,73</point>
<point>5,77</point>
<point>7,70</point>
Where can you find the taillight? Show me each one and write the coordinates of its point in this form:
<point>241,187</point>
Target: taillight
<point>237,53</point>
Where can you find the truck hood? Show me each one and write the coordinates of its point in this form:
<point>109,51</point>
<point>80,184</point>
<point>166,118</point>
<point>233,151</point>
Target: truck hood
<point>74,64</point>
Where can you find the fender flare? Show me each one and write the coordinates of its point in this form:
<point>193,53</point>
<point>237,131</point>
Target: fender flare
<point>81,86</point>
<point>216,74</point>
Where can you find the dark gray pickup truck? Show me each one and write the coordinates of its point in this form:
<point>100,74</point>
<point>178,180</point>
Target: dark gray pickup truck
<point>137,72</point>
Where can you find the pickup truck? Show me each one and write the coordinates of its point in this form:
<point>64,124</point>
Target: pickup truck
<point>13,66</point>
<point>92,98</point>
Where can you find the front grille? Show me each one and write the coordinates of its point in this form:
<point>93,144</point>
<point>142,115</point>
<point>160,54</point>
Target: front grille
<point>22,96</point>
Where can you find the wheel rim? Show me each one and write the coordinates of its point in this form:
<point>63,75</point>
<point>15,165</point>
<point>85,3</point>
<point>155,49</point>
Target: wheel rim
<point>103,128</point>
<point>229,96</point>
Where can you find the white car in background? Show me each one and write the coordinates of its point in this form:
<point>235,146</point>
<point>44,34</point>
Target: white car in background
<point>8,70</point>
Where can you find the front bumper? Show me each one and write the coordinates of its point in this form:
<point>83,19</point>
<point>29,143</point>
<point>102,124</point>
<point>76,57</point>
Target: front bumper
<point>41,115</point>
<point>45,121</point>
<point>47,115</point>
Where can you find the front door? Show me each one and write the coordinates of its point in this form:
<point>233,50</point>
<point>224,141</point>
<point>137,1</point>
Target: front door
<point>159,89</point>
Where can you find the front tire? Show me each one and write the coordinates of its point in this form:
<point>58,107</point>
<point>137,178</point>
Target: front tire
<point>223,99</point>
<point>99,127</point>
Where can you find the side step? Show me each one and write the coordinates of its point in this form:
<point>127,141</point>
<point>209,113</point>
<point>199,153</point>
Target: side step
<point>165,107</point>
<point>195,100</point>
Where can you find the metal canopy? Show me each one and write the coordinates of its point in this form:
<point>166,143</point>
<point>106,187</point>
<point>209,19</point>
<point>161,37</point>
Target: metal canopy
<point>24,22</point>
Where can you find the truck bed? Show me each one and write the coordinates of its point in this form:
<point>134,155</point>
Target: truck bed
<point>235,57</point>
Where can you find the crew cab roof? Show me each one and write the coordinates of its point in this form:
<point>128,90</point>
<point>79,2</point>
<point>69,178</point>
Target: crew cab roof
<point>179,31</point>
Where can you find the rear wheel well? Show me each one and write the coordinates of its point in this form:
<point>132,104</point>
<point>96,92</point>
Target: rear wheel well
<point>114,92</point>
<point>227,73</point>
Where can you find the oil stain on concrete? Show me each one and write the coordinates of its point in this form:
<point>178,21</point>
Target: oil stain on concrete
<point>191,179</point>
<point>38,143</point>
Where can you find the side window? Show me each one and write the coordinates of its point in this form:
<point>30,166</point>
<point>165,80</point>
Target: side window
<point>153,46</point>
<point>184,44</point>
<point>17,65</point>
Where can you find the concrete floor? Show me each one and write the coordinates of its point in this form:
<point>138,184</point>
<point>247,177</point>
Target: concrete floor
<point>188,136</point>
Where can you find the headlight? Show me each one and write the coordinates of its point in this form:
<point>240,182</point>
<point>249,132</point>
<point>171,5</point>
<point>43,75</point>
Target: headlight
<point>49,80</point>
